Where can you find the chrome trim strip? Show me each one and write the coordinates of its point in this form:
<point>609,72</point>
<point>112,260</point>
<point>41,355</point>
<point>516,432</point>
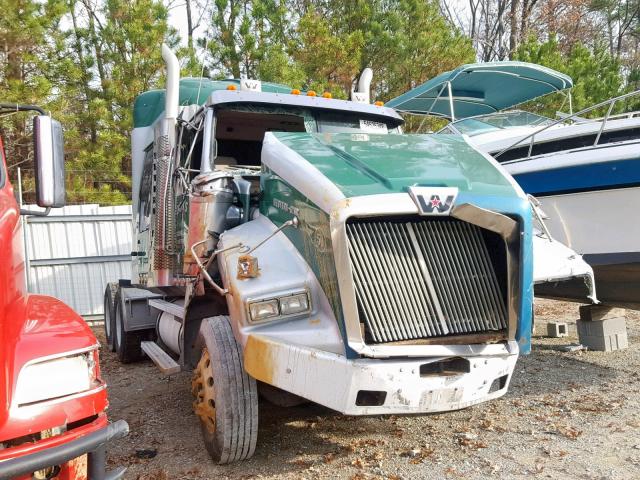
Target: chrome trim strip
<point>52,401</point>
<point>69,353</point>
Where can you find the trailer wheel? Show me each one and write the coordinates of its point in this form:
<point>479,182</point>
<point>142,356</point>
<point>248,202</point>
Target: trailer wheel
<point>127,344</point>
<point>109,314</point>
<point>226,398</point>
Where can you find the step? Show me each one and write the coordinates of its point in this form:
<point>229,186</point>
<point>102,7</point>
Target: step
<point>164,306</point>
<point>163,361</point>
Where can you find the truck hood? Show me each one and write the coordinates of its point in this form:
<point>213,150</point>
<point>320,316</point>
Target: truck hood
<point>372,164</point>
<point>35,327</point>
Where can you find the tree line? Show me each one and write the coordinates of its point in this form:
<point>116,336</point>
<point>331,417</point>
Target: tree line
<point>87,60</point>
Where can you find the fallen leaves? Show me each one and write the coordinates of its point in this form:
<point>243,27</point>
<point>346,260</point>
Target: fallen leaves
<point>571,433</point>
<point>471,441</point>
<point>328,457</point>
<point>155,475</point>
<point>418,455</point>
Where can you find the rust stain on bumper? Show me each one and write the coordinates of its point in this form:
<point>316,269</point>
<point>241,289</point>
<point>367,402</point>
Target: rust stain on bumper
<point>258,359</point>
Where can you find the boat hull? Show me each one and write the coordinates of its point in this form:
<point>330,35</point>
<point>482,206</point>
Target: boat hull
<point>604,227</point>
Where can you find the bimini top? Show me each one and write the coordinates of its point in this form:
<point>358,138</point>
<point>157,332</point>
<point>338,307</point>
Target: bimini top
<point>481,88</point>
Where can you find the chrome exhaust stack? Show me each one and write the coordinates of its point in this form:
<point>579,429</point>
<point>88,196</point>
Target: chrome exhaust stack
<point>362,94</point>
<point>172,96</point>
<point>165,145</point>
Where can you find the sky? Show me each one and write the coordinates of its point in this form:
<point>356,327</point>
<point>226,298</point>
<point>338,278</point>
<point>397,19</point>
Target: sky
<point>178,20</point>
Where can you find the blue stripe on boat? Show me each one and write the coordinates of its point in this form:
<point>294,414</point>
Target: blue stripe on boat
<point>581,178</point>
<point>615,258</point>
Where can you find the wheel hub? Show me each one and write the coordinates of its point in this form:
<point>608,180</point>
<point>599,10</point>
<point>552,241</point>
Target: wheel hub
<point>203,389</point>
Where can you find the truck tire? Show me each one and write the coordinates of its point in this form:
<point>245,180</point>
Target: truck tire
<point>127,344</point>
<point>226,398</point>
<point>109,314</point>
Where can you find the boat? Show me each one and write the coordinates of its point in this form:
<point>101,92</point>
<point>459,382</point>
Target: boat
<point>584,172</point>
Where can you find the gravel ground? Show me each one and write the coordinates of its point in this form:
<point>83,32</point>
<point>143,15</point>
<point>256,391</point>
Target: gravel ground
<point>566,415</point>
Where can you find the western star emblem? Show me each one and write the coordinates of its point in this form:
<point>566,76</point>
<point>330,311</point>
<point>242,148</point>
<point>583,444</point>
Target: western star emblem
<point>434,200</point>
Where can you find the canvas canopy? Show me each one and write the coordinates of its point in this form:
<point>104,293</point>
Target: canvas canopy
<point>481,88</point>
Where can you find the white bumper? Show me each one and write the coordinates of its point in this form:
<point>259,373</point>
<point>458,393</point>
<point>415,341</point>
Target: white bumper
<point>390,386</point>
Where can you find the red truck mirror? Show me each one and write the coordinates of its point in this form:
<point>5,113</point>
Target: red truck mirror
<point>49,158</point>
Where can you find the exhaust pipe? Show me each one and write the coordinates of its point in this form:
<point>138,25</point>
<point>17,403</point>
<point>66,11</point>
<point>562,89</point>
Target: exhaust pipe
<point>364,82</point>
<point>171,100</point>
<point>164,146</point>
<point>362,94</point>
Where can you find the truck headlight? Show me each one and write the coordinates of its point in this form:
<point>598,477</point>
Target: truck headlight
<point>294,304</point>
<point>279,307</point>
<point>55,378</point>
<point>264,310</point>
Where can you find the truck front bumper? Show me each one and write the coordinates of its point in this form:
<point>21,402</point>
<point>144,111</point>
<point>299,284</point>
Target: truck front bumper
<point>23,460</point>
<point>380,386</point>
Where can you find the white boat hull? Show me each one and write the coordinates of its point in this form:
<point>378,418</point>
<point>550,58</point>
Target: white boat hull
<point>604,227</point>
<point>592,198</point>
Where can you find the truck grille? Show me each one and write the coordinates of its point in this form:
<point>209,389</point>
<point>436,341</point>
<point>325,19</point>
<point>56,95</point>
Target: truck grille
<point>422,278</point>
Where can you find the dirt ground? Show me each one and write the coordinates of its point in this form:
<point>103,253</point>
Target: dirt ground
<point>566,415</point>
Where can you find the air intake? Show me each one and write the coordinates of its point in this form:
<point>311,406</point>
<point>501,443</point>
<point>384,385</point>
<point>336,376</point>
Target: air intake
<point>422,278</point>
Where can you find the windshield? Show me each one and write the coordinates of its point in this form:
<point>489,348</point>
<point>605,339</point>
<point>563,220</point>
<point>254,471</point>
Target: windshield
<point>343,122</point>
<point>499,121</point>
<point>239,130</point>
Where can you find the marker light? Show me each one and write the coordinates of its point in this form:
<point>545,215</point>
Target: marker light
<point>327,95</point>
<point>295,91</point>
<point>378,103</point>
<point>231,87</point>
<point>311,93</point>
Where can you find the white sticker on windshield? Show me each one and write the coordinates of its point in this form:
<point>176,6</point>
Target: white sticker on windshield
<point>359,137</point>
<point>373,127</point>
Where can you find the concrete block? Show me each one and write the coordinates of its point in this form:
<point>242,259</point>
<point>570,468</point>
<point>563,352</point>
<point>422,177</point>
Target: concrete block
<point>590,313</point>
<point>557,329</point>
<point>603,335</point>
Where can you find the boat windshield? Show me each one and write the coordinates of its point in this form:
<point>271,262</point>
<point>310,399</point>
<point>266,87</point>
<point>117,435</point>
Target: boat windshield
<point>499,121</point>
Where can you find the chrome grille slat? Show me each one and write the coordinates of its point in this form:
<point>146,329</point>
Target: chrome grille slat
<point>418,285</point>
<point>423,278</point>
<point>475,301</point>
<point>384,284</point>
<point>439,321</point>
<point>448,303</point>
<point>498,306</point>
<point>443,272</point>
<point>379,330</point>
<point>407,300</point>
<point>479,297</point>
<point>470,303</point>
<point>481,291</point>
<point>406,256</point>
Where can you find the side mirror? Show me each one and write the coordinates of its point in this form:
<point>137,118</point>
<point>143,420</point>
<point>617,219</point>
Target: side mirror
<point>49,158</point>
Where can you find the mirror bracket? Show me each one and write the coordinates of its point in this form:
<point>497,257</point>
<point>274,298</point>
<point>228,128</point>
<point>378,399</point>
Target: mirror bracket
<point>35,213</point>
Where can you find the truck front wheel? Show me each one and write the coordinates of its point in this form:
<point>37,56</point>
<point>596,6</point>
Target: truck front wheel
<point>226,398</point>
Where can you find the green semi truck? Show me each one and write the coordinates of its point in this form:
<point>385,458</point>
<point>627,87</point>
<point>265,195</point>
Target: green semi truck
<point>304,248</point>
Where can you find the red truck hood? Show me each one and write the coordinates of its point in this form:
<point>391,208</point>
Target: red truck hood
<point>41,326</point>
<point>32,327</point>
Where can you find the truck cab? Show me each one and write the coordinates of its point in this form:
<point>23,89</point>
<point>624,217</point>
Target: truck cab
<point>53,399</point>
<point>303,248</point>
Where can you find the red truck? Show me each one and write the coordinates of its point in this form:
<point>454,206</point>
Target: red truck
<point>53,423</point>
